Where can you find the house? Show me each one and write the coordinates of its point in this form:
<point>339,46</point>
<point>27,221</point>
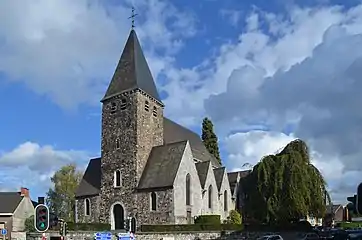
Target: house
<point>334,214</point>
<point>15,208</point>
<point>151,168</point>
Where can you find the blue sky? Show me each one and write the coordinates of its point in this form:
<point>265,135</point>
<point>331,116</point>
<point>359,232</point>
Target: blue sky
<point>265,73</point>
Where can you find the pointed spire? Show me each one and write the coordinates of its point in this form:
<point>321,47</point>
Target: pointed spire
<point>132,71</point>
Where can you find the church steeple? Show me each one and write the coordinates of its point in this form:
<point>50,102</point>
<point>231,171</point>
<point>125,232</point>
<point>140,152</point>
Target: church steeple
<point>132,72</point>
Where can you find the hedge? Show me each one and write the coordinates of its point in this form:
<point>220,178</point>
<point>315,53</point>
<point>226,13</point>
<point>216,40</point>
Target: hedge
<point>348,225</point>
<point>71,226</point>
<point>191,228</point>
<point>208,219</point>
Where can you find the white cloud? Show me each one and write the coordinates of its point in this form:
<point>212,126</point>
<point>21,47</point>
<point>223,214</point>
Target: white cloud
<point>302,74</point>
<point>32,165</point>
<point>233,16</point>
<point>40,158</point>
<point>250,147</point>
<point>67,50</point>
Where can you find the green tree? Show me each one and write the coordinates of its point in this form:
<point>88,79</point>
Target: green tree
<point>210,139</point>
<point>61,197</point>
<point>29,224</point>
<point>285,187</point>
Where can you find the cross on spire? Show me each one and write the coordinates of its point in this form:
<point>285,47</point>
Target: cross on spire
<point>132,17</point>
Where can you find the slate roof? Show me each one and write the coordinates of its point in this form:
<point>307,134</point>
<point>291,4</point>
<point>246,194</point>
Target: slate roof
<point>233,178</point>
<point>9,201</point>
<point>91,181</point>
<point>162,165</point>
<point>202,168</point>
<point>173,132</point>
<point>219,173</point>
<point>132,71</point>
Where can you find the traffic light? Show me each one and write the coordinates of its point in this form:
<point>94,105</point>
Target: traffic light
<point>41,220</point>
<point>359,199</point>
<point>352,205</point>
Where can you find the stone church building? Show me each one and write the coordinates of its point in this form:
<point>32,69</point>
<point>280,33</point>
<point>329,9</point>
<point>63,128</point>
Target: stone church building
<point>151,168</point>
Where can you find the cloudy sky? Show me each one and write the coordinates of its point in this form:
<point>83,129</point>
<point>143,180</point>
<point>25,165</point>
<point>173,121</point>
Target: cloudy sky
<point>264,73</point>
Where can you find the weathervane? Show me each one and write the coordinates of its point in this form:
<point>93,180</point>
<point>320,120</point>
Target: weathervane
<point>132,17</point>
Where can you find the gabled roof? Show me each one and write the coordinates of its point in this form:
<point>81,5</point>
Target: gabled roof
<point>162,166</point>
<point>9,201</point>
<point>202,169</point>
<point>219,174</point>
<point>91,181</point>
<point>174,132</point>
<point>233,178</point>
<point>333,208</point>
<point>132,71</point>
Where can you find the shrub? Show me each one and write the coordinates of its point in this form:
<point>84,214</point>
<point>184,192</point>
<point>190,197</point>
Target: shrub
<point>191,228</point>
<point>88,226</point>
<point>234,217</point>
<point>208,219</point>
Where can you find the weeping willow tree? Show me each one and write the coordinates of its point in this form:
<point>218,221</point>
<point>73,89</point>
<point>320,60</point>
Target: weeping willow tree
<point>285,187</point>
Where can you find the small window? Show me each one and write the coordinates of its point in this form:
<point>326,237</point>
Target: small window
<point>154,112</point>
<point>225,201</point>
<point>87,206</point>
<point>147,106</point>
<point>113,107</point>
<point>153,201</point>
<point>118,143</point>
<point>123,104</point>
<point>117,179</point>
<point>210,197</point>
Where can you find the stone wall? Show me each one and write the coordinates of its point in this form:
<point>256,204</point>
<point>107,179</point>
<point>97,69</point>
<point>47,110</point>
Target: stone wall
<point>165,236</point>
<point>94,209</point>
<point>164,208</point>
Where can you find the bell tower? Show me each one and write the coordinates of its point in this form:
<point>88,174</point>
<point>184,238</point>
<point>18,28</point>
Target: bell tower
<point>132,124</point>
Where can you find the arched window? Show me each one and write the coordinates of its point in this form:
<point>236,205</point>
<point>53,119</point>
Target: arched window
<point>188,190</point>
<point>123,104</point>
<point>154,112</point>
<point>147,106</point>
<point>153,201</point>
<point>118,143</point>
<point>87,207</point>
<point>225,201</point>
<point>210,196</point>
<point>117,179</point>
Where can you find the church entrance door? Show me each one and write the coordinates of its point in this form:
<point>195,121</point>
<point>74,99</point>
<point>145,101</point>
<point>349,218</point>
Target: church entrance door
<point>118,214</point>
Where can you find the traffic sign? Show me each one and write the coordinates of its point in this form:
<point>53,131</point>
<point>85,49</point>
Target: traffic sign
<point>4,231</point>
<point>103,236</point>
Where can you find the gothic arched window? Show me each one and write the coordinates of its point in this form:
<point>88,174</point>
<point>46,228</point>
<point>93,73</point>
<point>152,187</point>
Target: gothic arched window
<point>210,196</point>
<point>87,207</point>
<point>188,190</point>
<point>225,201</point>
<point>117,178</point>
<point>153,201</point>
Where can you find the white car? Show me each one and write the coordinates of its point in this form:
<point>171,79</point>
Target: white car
<point>271,237</point>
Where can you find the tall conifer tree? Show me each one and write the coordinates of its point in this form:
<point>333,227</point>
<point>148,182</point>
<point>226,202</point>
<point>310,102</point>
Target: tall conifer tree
<point>210,139</point>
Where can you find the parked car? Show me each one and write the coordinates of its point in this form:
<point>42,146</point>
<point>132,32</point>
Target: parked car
<point>310,236</point>
<point>271,237</point>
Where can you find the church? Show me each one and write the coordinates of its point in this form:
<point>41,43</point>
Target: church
<point>151,168</point>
